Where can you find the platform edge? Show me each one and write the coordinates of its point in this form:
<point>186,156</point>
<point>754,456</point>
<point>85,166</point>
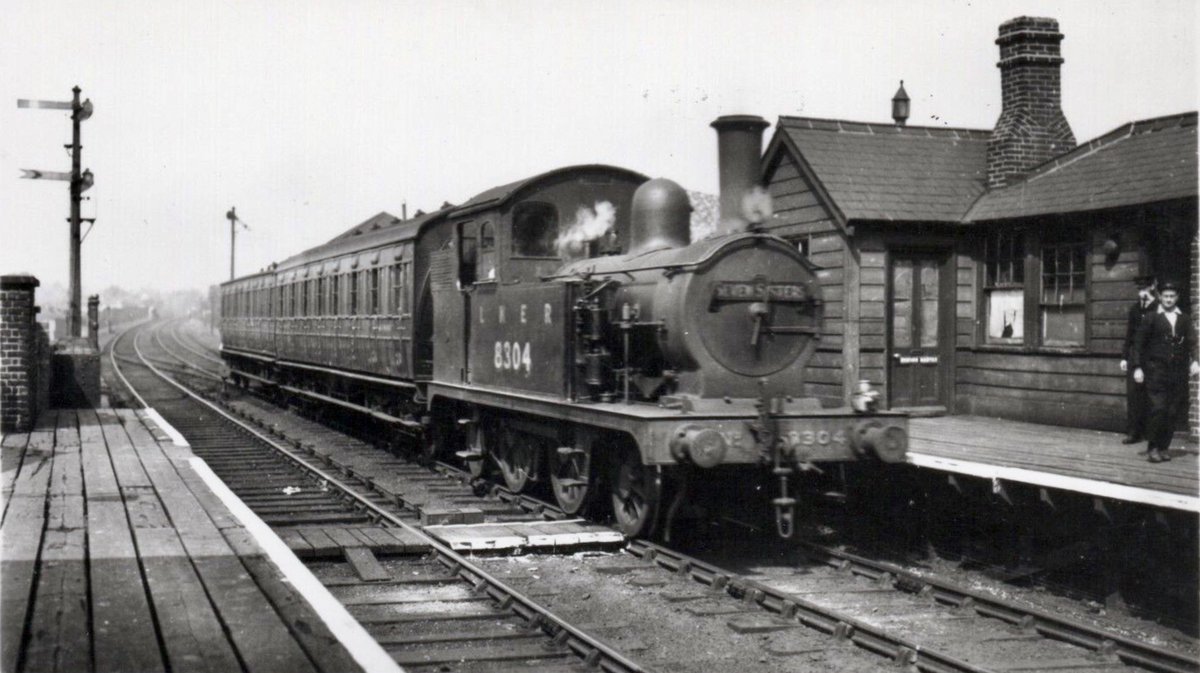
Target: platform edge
<point>368,653</point>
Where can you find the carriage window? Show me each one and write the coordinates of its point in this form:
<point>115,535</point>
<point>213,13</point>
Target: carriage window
<point>373,292</point>
<point>399,295</point>
<point>535,228</point>
<point>353,279</point>
<point>335,306</point>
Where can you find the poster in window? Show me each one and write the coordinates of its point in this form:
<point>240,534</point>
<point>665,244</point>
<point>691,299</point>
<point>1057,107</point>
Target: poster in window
<point>1006,316</point>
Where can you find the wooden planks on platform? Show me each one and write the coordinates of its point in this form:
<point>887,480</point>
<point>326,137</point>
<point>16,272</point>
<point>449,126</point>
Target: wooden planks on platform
<point>541,535</point>
<point>21,534</point>
<point>116,556</point>
<point>1086,461</point>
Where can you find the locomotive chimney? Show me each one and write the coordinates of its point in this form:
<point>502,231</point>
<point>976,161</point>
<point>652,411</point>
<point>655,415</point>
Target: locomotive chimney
<point>660,217</point>
<point>739,149</point>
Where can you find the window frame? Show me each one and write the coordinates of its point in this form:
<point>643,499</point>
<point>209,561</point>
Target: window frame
<point>513,253</point>
<point>1016,260</point>
<point>1034,239</point>
<point>373,295</point>
<point>1058,239</point>
<point>399,287</point>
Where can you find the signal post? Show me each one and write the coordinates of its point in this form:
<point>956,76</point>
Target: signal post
<point>75,374</point>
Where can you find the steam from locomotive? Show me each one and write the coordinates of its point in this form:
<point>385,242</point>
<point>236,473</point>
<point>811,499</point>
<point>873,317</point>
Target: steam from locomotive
<point>590,224</point>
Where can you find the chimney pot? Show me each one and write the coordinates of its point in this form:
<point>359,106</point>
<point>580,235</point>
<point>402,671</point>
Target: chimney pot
<point>1032,128</point>
<point>900,105</point>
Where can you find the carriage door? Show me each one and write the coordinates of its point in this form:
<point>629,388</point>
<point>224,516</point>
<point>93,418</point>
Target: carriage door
<point>917,341</point>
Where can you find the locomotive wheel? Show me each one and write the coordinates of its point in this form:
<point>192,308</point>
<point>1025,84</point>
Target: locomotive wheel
<point>571,474</point>
<point>516,457</point>
<point>635,494</point>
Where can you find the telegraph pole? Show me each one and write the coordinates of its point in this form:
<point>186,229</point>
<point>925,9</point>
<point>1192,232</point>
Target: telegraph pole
<point>233,220</point>
<point>80,182</point>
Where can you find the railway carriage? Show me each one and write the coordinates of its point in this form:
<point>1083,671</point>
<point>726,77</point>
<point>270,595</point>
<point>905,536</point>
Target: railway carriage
<point>566,329</point>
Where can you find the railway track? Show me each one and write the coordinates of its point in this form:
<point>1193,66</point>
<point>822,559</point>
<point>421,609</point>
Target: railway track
<point>416,605</point>
<point>794,607</point>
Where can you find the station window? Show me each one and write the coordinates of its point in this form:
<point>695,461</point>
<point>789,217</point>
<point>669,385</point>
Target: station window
<point>1064,289</point>
<point>535,228</point>
<point>1004,287</point>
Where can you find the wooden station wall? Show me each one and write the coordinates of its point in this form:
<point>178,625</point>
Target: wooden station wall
<point>1074,387</point>
<point>802,218</point>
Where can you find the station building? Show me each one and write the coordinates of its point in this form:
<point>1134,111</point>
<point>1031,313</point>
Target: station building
<point>988,271</point>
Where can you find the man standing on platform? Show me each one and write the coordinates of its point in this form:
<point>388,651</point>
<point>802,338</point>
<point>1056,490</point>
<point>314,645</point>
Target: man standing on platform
<point>1136,405</point>
<point>1164,354</point>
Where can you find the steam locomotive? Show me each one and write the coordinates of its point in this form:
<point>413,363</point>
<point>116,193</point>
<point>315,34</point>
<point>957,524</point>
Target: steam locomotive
<point>566,329</point>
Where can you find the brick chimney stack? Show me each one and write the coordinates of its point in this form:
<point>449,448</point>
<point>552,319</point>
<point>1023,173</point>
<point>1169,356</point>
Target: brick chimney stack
<point>1031,128</point>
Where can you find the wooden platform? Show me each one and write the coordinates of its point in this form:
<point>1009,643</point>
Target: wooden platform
<point>1084,461</point>
<point>116,556</point>
<point>555,536</point>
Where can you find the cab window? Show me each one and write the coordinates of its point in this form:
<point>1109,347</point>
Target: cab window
<point>535,228</point>
<point>487,252</point>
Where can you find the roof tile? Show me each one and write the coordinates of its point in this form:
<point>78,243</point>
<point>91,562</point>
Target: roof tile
<point>1143,161</point>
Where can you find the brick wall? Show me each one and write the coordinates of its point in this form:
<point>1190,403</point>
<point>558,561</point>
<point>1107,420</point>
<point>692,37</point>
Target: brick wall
<point>1031,128</point>
<point>20,353</point>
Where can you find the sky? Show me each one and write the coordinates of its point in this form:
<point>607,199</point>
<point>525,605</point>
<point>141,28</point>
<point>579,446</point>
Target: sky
<point>312,116</point>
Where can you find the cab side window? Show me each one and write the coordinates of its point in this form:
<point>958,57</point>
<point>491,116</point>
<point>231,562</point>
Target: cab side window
<point>535,229</point>
<point>487,252</point>
<point>468,253</point>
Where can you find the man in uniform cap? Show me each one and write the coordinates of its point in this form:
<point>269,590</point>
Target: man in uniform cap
<point>1164,354</point>
<point>1136,404</point>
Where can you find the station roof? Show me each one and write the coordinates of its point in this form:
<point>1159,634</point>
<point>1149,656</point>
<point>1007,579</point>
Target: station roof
<point>888,172</point>
<point>1139,162</point>
<point>884,172</point>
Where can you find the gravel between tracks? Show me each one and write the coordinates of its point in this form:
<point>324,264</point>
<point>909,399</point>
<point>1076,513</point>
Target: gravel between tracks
<point>671,623</point>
